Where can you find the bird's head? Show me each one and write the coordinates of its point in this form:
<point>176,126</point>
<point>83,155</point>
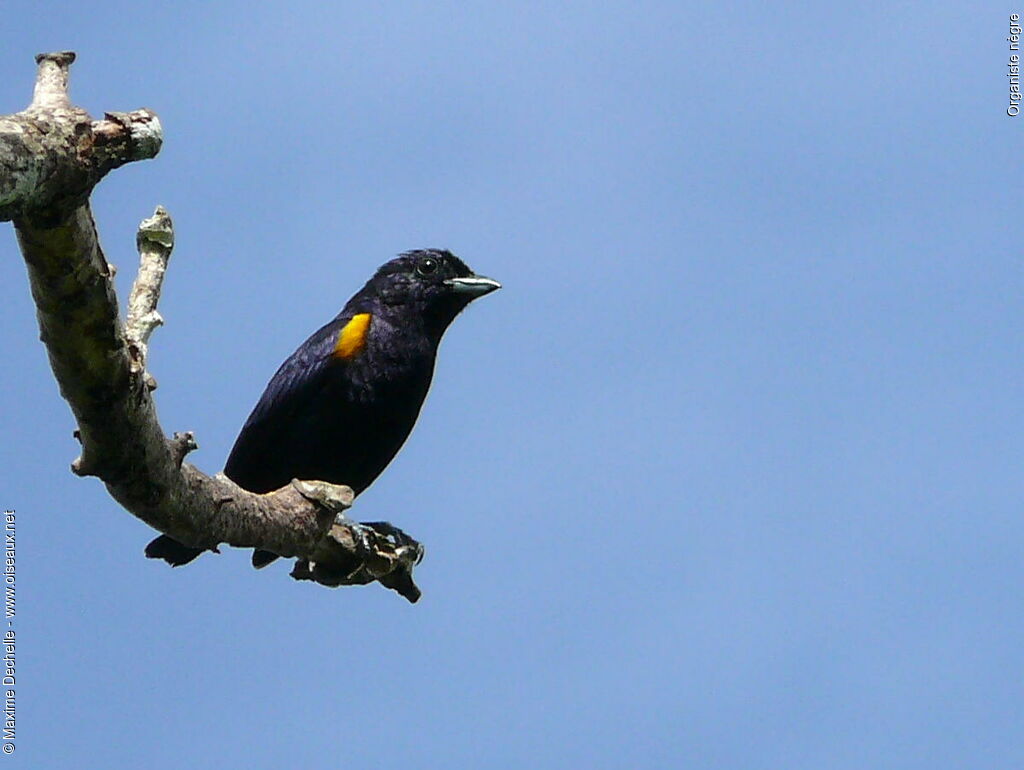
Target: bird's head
<point>433,283</point>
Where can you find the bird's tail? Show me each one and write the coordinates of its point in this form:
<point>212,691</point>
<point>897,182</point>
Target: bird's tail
<point>171,551</point>
<point>261,558</point>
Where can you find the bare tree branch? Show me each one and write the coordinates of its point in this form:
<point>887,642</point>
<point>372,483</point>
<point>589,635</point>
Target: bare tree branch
<point>155,241</point>
<point>51,156</point>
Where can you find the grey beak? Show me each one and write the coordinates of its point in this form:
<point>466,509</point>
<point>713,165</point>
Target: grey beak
<point>473,285</point>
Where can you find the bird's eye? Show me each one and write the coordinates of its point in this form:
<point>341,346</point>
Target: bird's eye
<point>427,266</point>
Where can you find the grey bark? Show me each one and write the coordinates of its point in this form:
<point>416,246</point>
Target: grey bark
<point>51,156</point>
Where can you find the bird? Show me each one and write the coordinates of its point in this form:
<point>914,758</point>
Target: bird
<point>342,405</point>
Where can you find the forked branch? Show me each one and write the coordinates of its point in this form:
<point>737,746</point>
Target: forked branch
<point>52,154</point>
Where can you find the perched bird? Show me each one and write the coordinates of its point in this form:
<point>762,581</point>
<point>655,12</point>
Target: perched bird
<point>342,405</point>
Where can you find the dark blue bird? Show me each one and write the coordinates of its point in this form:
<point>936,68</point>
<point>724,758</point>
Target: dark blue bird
<point>344,402</point>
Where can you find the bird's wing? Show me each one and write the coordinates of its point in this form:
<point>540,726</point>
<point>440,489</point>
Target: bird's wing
<point>302,371</point>
<point>294,386</point>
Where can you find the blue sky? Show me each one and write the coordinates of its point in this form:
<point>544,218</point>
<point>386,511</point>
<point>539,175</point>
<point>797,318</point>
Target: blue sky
<point>727,476</point>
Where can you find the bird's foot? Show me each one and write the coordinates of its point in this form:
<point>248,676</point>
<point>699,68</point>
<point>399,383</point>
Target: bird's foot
<point>405,546</point>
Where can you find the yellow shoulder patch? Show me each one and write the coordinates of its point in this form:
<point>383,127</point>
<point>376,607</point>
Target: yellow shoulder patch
<point>352,338</point>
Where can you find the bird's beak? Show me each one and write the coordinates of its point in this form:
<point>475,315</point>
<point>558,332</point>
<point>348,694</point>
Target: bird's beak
<point>473,285</point>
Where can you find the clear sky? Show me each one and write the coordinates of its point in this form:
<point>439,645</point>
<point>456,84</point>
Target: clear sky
<point>727,476</point>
